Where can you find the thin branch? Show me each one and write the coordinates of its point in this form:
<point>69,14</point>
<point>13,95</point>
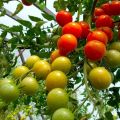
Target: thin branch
<point>21,56</point>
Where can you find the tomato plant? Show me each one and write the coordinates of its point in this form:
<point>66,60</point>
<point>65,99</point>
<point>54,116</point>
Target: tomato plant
<point>61,63</point>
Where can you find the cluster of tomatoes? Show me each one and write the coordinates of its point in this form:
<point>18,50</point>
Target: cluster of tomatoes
<point>25,81</point>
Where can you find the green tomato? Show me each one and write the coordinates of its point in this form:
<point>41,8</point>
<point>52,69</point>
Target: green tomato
<point>29,85</point>
<point>62,63</point>
<point>63,114</point>
<point>115,46</point>
<point>9,92</point>
<point>113,58</point>
<point>57,98</point>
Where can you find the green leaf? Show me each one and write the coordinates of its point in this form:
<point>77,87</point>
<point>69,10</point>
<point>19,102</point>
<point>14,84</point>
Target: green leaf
<point>48,16</point>
<point>109,116</point>
<point>25,23</point>
<point>35,19</point>
<point>1,4</point>
<point>18,9</point>
<point>3,13</point>
<point>42,6</point>
<point>40,23</point>
<point>15,29</point>
<point>3,27</point>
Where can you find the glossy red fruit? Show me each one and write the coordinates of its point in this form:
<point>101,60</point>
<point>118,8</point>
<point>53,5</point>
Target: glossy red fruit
<point>97,35</point>
<point>104,21</point>
<point>98,11</point>
<point>115,7</point>
<point>66,44</point>
<point>25,2</point>
<point>85,29</point>
<point>106,8</point>
<point>63,17</point>
<point>72,28</point>
<point>94,50</point>
<point>108,32</point>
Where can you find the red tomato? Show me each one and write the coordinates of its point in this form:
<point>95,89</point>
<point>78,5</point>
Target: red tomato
<point>104,21</point>
<point>73,28</point>
<point>85,29</point>
<point>115,7</point>
<point>98,11</point>
<point>97,35</point>
<point>106,8</point>
<point>63,17</point>
<point>25,2</point>
<point>94,50</point>
<point>66,44</point>
<point>108,32</point>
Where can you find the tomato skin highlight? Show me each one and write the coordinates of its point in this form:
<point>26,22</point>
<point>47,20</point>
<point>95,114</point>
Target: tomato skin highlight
<point>98,35</point>
<point>94,50</point>
<point>100,78</point>
<point>72,28</point>
<point>63,17</point>
<point>66,44</point>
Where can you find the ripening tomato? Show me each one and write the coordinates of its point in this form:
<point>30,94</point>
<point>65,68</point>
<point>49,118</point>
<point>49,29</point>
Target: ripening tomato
<point>31,60</point>
<point>108,32</point>
<point>57,98</point>
<point>9,92</point>
<point>56,79</point>
<point>85,29</point>
<point>29,85</point>
<point>63,114</point>
<point>113,58</point>
<point>61,63</point>
<point>63,17</point>
<point>98,35</point>
<point>100,78</point>
<point>25,2</point>
<point>72,28</point>
<point>66,44</point>
<point>41,69</point>
<point>104,21</point>
<point>54,55</point>
<point>94,50</point>
<point>19,71</point>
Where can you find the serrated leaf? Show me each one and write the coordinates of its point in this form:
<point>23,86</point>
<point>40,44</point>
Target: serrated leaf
<point>18,9</point>
<point>15,29</point>
<point>35,19</point>
<point>48,16</point>
<point>3,13</point>
<point>25,23</point>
